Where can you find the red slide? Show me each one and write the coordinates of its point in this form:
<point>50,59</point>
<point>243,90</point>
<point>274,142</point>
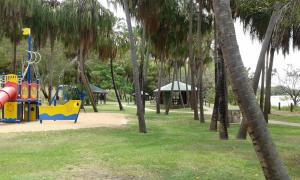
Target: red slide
<point>8,93</point>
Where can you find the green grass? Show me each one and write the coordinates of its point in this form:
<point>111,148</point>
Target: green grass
<point>293,118</point>
<point>175,147</point>
<point>287,108</point>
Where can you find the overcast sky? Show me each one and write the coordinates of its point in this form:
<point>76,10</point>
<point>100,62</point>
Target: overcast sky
<point>249,48</point>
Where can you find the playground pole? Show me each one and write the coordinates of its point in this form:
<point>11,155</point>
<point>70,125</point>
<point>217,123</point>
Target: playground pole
<point>29,76</point>
<point>2,86</point>
<point>19,98</point>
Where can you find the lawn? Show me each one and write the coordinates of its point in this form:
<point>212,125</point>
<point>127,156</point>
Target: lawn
<point>176,147</point>
<point>295,118</point>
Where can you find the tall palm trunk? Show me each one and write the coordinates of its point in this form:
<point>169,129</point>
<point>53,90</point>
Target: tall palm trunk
<point>145,75</point>
<point>267,39</point>
<point>139,103</point>
<point>214,117</point>
<point>262,87</point>
<point>201,59</point>
<point>84,78</point>
<point>178,85</point>
<point>222,102</point>
<point>265,149</point>
<point>114,85</point>
<point>14,64</point>
<point>170,101</point>
<point>50,86</point>
<point>180,74</point>
<point>186,74</point>
<point>159,86</point>
<point>267,106</point>
<point>194,99</point>
<point>142,65</point>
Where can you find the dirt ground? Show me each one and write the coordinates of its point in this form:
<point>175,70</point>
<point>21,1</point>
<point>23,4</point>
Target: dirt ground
<point>85,120</point>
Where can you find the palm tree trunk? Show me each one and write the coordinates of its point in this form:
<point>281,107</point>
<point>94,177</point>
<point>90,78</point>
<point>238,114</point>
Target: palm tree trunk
<point>50,87</point>
<point>194,99</point>
<point>180,74</point>
<point>268,86</point>
<point>179,90</point>
<point>170,101</point>
<point>142,65</point>
<point>84,78</point>
<point>265,149</point>
<point>114,85</point>
<point>159,86</point>
<point>222,99</point>
<point>201,68</point>
<point>15,57</point>
<point>139,103</point>
<point>186,74</point>
<point>145,75</point>
<point>214,117</point>
<point>262,87</point>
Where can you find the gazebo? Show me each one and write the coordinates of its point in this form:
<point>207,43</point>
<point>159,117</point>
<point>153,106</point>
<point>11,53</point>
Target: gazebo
<point>99,94</point>
<point>165,94</point>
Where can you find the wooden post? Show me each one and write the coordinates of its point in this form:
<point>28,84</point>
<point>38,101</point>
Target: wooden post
<point>279,106</point>
<point>292,107</point>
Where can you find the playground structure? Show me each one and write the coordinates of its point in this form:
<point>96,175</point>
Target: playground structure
<point>19,96</point>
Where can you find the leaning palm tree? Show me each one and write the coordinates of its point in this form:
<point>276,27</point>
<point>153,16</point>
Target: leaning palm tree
<point>108,45</point>
<point>265,149</point>
<point>283,26</point>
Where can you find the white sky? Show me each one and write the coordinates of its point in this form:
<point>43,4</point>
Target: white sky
<point>249,48</point>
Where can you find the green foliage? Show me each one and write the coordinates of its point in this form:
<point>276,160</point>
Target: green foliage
<point>256,14</point>
<point>101,75</point>
<point>277,90</point>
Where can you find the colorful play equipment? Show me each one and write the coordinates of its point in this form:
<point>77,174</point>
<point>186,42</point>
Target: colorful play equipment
<point>68,92</point>
<point>19,96</point>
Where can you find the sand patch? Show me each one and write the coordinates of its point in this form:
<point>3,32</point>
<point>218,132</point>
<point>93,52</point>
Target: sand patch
<point>85,120</point>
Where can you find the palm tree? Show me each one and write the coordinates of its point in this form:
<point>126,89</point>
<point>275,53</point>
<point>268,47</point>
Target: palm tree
<point>214,118</point>
<point>194,99</point>
<point>158,97</point>
<point>266,152</point>
<point>262,85</point>
<point>139,103</point>
<point>222,97</point>
<point>114,84</point>
<point>169,103</point>
<point>267,104</point>
<point>200,56</point>
<point>109,43</point>
<point>142,48</point>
